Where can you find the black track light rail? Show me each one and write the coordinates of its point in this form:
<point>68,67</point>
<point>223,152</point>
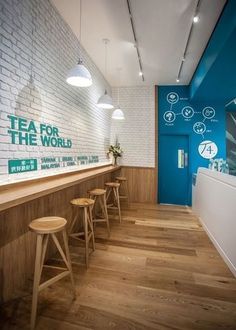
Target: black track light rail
<point>135,38</point>
<point>188,40</point>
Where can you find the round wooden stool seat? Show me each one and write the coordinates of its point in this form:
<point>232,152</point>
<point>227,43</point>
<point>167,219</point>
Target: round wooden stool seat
<point>121,178</point>
<point>97,192</point>
<point>82,202</point>
<point>47,225</point>
<point>112,184</point>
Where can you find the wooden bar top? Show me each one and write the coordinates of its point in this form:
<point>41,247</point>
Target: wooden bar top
<point>19,193</point>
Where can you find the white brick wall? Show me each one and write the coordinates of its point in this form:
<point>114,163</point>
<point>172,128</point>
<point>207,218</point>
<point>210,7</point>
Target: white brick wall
<point>36,42</point>
<point>137,133</point>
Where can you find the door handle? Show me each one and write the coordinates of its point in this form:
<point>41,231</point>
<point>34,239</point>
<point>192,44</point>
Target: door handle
<point>186,159</point>
<point>181,158</point>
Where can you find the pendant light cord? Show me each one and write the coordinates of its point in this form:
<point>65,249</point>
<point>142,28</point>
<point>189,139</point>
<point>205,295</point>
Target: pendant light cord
<point>106,57</point>
<point>119,70</point>
<point>34,21</point>
<point>106,41</point>
<point>80,21</point>
<point>80,32</point>
<point>119,91</point>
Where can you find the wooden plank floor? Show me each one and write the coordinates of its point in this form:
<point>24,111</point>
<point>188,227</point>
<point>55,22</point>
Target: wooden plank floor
<point>158,270</point>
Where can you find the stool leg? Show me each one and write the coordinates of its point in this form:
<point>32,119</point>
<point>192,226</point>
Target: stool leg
<point>86,236</point>
<point>90,220</point>
<point>116,192</point>
<point>65,239</point>
<point>44,249</point>
<point>104,209</point>
<point>37,275</point>
<point>108,192</point>
<point>114,196</point>
<point>74,218</point>
<point>94,210</point>
<point>127,191</point>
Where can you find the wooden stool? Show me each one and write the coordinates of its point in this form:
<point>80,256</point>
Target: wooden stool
<point>45,227</point>
<point>123,183</point>
<point>113,187</point>
<point>100,196</point>
<point>86,204</point>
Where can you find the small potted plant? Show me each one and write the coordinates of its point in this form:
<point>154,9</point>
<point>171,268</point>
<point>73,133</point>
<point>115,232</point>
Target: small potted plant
<point>116,152</point>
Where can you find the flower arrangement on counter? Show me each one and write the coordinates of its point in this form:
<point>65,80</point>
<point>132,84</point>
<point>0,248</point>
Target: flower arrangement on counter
<point>116,151</point>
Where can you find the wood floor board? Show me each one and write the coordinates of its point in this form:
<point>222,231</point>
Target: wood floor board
<point>158,270</point>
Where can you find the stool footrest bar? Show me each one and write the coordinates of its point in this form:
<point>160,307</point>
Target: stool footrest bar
<point>53,280</point>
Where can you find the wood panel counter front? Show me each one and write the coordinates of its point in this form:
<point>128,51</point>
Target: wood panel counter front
<point>20,203</point>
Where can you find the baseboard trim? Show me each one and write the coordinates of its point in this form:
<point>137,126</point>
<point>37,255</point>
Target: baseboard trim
<point>219,248</point>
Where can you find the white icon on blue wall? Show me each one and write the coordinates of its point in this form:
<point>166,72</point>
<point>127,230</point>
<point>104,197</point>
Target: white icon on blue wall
<point>199,127</point>
<point>208,149</point>
<point>187,112</point>
<point>172,98</point>
<point>208,112</point>
<point>169,116</point>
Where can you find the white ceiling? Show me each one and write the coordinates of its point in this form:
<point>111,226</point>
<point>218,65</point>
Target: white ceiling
<point>162,28</point>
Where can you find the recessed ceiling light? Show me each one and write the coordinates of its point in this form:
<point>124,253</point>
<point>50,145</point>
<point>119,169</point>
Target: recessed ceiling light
<point>140,73</point>
<point>177,80</point>
<point>196,19</point>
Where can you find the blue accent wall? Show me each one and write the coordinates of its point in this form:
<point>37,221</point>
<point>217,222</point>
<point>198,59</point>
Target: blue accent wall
<point>213,85</point>
<point>215,76</point>
<point>215,127</point>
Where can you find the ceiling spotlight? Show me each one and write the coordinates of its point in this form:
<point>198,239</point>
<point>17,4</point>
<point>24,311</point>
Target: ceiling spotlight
<point>177,80</point>
<point>183,59</point>
<point>196,19</point>
<point>140,73</point>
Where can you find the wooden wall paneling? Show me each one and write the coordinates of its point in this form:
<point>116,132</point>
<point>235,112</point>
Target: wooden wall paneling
<point>141,183</point>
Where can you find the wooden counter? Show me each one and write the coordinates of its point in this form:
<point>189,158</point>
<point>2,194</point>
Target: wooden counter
<point>20,203</point>
<point>16,194</point>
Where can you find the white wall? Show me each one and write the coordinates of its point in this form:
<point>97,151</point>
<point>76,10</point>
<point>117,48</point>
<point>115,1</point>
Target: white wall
<point>36,43</point>
<point>137,133</point>
<point>214,199</point>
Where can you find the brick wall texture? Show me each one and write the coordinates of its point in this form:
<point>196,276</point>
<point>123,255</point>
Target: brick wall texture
<point>37,48</point>
<point>137,133</point>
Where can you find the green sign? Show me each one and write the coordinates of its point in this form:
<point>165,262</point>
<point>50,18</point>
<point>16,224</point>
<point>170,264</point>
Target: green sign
<point>22,165</point>
<point>26,132</point>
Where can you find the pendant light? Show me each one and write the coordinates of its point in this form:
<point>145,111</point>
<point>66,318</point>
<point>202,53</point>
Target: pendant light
<point>79,75</point>
<point>105,101</point>
<point>118,113</point>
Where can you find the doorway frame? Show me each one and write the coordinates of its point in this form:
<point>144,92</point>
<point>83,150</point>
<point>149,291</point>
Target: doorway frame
<point>189,194</point>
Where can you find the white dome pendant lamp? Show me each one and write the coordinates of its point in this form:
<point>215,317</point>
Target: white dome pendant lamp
<point>105,101</point>
<point>118,113</point>
<point>79,75</point>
